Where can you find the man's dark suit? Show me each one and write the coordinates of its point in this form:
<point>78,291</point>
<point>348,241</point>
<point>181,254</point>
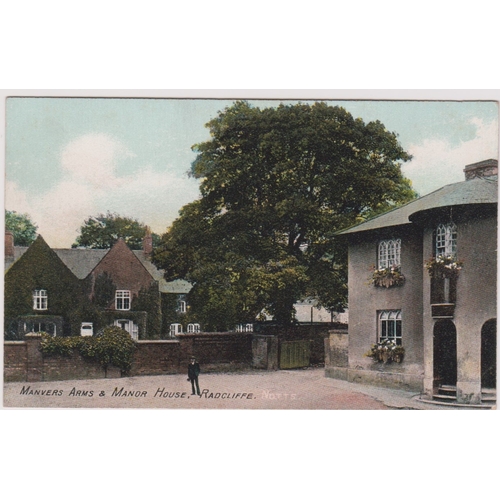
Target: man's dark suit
<point>193,372</point>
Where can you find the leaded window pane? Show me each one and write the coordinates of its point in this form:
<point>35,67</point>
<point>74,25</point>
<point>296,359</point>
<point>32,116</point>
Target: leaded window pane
<point>389,253</point>
<point>446,240</point>
<point>390,326</point>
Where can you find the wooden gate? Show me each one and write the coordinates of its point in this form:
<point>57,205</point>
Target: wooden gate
<point>295,354</point>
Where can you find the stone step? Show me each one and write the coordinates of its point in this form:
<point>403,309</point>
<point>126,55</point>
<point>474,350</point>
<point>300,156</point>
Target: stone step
<point>486,390</point>
<point>447,391</point>
<point>489,398</point>
<point>445,397</point>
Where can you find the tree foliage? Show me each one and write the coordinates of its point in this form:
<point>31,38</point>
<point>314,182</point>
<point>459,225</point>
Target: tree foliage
<point>104,230</point>
<point>276,185</point>
<point>22,227</point>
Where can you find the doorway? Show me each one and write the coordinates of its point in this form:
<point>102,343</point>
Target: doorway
<point>445,353</point>
<point>489,354</point>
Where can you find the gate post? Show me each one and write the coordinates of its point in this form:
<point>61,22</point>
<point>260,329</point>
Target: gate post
<point>34,372</point>
<point>265,352</point>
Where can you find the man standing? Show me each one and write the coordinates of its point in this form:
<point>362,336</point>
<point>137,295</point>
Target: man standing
<point>193,372</point>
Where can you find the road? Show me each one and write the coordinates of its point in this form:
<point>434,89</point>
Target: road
<point>292,389</point>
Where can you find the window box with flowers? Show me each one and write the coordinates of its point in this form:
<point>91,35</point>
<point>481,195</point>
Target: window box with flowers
<point>386,351</point>
<point>387,277</point>
<point>443,266</point>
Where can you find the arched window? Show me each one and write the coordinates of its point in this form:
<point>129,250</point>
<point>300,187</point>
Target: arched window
<point>389,253</point>
<point>390,326</point>
<point>40,300</point>
<point>446,240</point>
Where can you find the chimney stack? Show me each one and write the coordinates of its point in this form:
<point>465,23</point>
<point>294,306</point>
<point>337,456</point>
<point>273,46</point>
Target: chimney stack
<point>485,168</point>
<point>9,244</point>
<point>147,243</point>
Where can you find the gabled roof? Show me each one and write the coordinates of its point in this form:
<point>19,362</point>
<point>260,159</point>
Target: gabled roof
<point>18,252</point>
<point>81,262</point>
<point>474,191</point>
<point>176,286</point>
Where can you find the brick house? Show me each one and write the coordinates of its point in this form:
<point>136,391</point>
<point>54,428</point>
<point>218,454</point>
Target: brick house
<point>116,286</point>
<point>443,317</point>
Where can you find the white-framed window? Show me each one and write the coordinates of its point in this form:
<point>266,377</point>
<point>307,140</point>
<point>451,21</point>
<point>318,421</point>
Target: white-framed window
<point>389,253</point>
<point>39,327</point>
<point>129,326</point>
<point>175,328</point>
<point>446,240</point>
<point>40,300</point>
<point>181,304</point>
<point>122,300</point>
<point>87,329</point>
<point>390,326</point>
<point>193,328</point>
<point>243,328</point>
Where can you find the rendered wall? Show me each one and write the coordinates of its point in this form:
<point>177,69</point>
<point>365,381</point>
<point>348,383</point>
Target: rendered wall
<point>366,300</point>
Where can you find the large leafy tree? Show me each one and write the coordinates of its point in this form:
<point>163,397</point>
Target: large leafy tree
<point>276,184</point>
<point>21,226</point>
<point>104,230</point>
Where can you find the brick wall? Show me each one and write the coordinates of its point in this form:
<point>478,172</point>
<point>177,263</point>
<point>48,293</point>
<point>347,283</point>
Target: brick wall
<point>23,361</point>
<point>156,357</point>
<point>216,351</point>
<point>15,359</point>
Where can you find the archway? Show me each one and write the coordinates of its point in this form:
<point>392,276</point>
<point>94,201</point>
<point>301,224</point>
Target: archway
<point>445,353</point>
<point>489,354</point>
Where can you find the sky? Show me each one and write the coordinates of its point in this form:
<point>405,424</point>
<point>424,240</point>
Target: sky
<point>71,158</point>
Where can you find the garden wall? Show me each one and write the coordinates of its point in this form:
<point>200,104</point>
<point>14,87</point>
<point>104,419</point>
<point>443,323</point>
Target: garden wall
<point>23,360</point>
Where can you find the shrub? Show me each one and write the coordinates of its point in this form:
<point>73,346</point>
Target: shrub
<point>113,347</point>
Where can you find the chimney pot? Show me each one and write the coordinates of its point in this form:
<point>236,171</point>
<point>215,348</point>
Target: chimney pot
<point>9,244</point>
<point>147,243</point>
<point>485,168</point>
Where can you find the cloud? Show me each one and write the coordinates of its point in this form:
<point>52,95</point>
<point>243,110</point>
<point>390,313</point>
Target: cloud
<point>436,162</point>
<point>90,185</point>
<point>92,158</point>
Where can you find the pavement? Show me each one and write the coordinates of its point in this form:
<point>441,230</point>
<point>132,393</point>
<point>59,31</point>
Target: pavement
<point>284,389</point>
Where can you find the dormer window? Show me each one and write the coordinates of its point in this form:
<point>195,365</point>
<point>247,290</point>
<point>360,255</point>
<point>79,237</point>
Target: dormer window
<point>389,253</point>
<point>40,300</point>
<point>446,240</point>
<point>122,300</point>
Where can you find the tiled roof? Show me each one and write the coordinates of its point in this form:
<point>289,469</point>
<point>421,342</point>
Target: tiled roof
<point>176,286</point>
<point>461,193</point>
<point>81,262</point>
<point>18,252</point>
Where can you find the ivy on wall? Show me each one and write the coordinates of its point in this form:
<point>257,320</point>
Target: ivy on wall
<point>149,301</point>
<point>41,268</point>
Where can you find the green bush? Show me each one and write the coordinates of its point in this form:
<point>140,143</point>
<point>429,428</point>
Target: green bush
<point>113,347</point>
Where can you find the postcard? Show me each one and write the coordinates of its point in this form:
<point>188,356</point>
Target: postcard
<point>304,252</point>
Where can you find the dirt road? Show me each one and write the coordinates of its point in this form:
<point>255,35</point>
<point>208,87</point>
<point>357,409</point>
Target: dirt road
<point>294,389</point>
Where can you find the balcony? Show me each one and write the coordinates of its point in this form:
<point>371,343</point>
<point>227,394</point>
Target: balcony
<point>443,297</point>
<point>442,311</point>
